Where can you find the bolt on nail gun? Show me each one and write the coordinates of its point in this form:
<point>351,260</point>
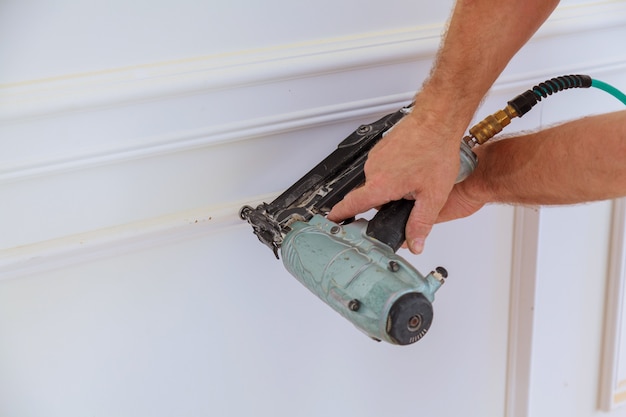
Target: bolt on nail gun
<point>353,266</point>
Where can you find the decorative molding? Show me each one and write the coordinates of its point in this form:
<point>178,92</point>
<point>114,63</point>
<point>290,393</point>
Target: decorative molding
<point>87,92</point>
<point>521,310</point>
<point>217,135</point>
<point>613,377</point>
<point>221,72</point>
<point>584,17</point>
<point>265,126</point>
<point>21,101</point>
<point>244,68</point>
<point>97,244</point>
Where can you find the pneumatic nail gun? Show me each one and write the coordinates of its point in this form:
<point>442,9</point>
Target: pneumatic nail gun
<point>353,266</point>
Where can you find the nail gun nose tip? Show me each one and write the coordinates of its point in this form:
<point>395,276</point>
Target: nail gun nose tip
<point>244,212</point>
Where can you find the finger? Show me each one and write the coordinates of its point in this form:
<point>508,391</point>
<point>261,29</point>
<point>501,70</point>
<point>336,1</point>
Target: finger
<point>420,223</point>
<point>355,202</point>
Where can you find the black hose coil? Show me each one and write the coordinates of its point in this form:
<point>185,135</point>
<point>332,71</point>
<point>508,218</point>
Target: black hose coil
<point>525,101</point>
<point>561,83</point>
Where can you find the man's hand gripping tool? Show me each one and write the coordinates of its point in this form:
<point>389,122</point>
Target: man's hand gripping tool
<point>353,266</point>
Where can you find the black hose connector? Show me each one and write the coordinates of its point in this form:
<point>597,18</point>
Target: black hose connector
<point>525,101</point>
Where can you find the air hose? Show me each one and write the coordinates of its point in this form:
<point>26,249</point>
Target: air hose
<point>609,89</point>
<point>520,105</point>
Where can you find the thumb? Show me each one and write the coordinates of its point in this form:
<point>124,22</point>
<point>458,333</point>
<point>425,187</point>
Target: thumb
<point>420,223</point>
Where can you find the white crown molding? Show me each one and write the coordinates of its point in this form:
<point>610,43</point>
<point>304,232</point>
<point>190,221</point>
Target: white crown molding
<point>271,126</point>
<point>217,135</point>
<point>221,72</point>
<point>584,17</point>
<point>88,92</point>
<point>243,68</point>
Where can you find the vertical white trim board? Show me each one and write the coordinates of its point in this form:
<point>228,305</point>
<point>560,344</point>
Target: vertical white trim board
<point>613,378</point>
<point>521,313</point>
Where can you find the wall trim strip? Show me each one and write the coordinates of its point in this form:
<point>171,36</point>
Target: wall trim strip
<point>269,126</point>
<point>612,389</point>
<point>147,82</point>
<point>103,243</point>
<point>38,98</point>
<point>521,310</point>
<point>221,72</point>
<point>217,135</point>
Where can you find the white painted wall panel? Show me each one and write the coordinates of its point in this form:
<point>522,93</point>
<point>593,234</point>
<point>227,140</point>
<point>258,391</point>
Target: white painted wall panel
<point>215,326</point>
<point>571,285</point>
<point>71,36</point>
<point>129,287</point>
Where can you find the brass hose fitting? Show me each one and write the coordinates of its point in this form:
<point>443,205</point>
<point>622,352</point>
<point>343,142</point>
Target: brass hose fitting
<point>490,126</point>
<point>520,105</point>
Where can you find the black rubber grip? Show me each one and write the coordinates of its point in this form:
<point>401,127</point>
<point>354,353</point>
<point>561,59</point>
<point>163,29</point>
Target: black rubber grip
<point>389,223</point>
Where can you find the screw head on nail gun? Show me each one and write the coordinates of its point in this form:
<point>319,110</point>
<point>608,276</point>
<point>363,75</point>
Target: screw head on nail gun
<point>363,129</point>
<point>393,266</point>
<point>354,305</point>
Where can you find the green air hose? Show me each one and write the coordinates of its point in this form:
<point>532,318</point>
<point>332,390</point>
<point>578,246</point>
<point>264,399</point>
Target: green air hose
<point>520,105</point>
<point>609,89</point>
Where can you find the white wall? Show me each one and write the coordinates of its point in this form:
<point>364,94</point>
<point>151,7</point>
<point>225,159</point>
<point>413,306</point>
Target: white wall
<point>48,39</point>
<point>131,135</point>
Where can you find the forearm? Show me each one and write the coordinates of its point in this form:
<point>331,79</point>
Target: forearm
<point>482,36</point>
<point>419,158</point>
<point>579,161</point>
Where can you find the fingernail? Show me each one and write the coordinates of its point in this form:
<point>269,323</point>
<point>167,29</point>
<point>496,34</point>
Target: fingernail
<point>417,245</point>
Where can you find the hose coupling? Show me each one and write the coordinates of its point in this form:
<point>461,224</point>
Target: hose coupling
<point>490,126</point>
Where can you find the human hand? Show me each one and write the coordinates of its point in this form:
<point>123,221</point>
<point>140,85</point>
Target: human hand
<point>413,161</point>
<point>460,204</point>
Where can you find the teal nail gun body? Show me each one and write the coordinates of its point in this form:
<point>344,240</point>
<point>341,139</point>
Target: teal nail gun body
<point>353,266</point>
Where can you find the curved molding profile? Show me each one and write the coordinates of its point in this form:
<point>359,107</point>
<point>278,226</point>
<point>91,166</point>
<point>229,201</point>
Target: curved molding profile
<point>172,79</point>
<point>102,243</point>
<point>243,68</point>
<point>221,72</point>
<point>216,135</point>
